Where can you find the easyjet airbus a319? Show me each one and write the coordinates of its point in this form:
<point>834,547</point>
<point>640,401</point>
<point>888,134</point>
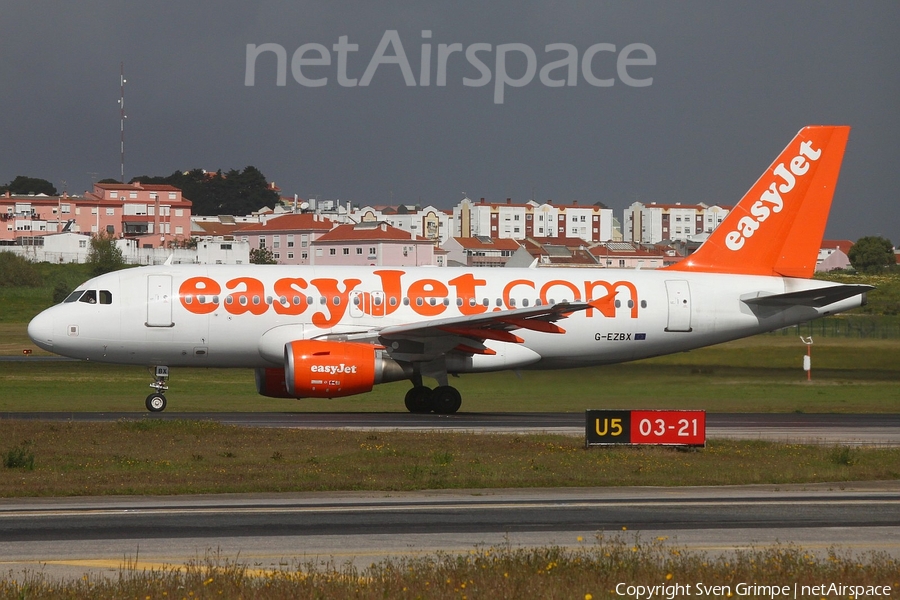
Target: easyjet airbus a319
<point>333,332</point>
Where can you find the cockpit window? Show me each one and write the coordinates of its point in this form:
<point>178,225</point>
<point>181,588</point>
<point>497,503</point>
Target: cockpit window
<point>89,297</point>
<point>105,297</point>
<point>74,296</point>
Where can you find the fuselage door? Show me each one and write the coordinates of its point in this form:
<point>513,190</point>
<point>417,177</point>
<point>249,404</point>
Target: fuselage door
<point>357,304</point>
<point>367,303</point>
<point>679,296</point>
<point>159,301</point>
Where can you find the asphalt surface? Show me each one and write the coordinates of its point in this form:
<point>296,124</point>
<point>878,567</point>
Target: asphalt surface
<point>68,537</point>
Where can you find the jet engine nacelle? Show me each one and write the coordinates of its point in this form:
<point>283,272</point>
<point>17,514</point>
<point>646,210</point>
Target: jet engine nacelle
<point>271,383</point>
<point>326,369</point>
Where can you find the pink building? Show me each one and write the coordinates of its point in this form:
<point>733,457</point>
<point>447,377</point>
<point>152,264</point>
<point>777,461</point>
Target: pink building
<point>627,255</point>
<point>480,251</point>
<point>154,215</point>
<point>372,243</point>
<point>288,237</point>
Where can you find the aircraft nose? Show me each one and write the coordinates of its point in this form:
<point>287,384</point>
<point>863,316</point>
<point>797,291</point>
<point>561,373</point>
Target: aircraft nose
<point>40,330</point>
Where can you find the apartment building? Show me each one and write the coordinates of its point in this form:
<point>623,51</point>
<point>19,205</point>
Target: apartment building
<point>652,223</point>
<point>374,244</point>
<point>289,237</point>
<point>152,215</point>
<point>589,222</point>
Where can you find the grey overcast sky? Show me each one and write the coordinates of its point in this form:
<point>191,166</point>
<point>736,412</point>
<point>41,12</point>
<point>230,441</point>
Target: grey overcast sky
<point>731,84</point>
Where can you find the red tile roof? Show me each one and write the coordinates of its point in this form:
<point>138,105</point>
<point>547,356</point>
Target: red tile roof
<point>369,231</point>
<point>568,242</point>
<point>842,245</point>
<point>620,249</point>
<point>150,187</point>
<point>471,243</point>
<point>216,228</point>
<point>292,222</point>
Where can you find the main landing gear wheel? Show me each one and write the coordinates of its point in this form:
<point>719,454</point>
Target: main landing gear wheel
<point>156,402</point>
<point>445,400</point>
<point>418,399</point>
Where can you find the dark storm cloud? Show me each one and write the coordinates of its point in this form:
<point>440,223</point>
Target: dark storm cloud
<point>731,85</point>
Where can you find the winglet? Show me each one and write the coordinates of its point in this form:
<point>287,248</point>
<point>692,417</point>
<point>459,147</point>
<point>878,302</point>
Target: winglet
<point>777,227</point>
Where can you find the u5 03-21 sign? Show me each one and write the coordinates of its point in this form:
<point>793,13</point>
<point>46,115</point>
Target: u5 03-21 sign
<point>645,427</point>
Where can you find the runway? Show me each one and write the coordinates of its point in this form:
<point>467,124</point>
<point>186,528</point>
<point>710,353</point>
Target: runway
<point>68,537</point>
<point>832,428</point>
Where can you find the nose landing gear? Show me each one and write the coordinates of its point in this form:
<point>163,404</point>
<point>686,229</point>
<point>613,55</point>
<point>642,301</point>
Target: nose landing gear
<point>156,402</point>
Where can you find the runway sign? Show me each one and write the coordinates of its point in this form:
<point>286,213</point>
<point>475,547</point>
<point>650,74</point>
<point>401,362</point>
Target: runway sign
<point>645,427</point>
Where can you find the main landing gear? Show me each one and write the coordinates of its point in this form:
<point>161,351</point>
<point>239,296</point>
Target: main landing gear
<point>156,402</point>
<point>443,400</point>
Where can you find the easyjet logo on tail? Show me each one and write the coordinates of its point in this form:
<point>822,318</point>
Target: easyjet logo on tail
<point>771,200</point>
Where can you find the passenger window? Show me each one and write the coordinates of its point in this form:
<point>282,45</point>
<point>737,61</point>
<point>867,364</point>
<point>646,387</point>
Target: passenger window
<point>74,296</point>
<point>89,297</point>
<point>105,297</point>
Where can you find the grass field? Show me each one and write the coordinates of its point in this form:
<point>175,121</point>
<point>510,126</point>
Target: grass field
<point>590,572</point>
<point>193,457</point>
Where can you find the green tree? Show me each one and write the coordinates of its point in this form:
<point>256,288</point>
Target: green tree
<point>22,185</point>
<point>16,271</point>
<point>262,256</point>
<point>231,193</point>
<point>872,254</point>
<point>105,255</point>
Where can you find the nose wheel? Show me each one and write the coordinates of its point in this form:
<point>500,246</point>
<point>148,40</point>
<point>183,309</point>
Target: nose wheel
<point>156,402</point>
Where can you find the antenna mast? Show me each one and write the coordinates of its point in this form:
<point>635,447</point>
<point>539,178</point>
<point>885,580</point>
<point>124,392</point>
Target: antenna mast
<point>122,119</point>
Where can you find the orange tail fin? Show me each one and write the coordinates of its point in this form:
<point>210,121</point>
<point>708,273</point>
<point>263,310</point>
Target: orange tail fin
<point>777,227</point>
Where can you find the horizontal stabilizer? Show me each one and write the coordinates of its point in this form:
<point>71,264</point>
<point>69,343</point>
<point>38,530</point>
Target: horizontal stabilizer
<point>816,298</point>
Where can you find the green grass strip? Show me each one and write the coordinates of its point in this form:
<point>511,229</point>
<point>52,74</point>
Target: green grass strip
<point>191,457</point>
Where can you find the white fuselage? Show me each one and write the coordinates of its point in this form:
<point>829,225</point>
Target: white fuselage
<point>241,316</point>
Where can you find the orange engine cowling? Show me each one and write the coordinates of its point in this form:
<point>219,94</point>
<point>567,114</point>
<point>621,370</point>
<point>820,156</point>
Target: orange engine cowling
<point>325,369</point>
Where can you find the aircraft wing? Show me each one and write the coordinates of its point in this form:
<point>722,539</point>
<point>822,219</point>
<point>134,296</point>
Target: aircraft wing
<point>816,297</point>
<point>467,333</point>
